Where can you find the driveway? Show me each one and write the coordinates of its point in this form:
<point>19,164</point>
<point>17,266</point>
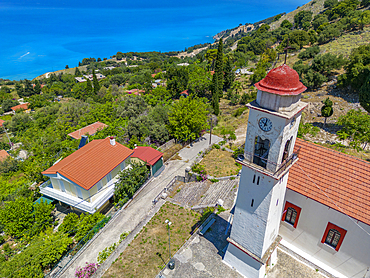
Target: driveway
<point>128,219</point>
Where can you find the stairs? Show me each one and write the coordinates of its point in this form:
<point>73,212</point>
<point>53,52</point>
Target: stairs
<point>218,190</point>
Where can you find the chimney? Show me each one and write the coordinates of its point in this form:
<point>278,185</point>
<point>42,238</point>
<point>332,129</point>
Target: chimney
<point>112,141</point>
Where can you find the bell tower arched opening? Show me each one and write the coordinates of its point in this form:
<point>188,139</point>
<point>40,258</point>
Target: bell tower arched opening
<point>261,151</point>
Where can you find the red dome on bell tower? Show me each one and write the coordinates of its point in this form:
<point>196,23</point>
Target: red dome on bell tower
<point>282,80</point>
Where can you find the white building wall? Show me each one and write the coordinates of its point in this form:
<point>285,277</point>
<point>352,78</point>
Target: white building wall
<point>353,257</point>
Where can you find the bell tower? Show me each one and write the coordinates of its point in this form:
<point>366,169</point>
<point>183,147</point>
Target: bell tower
<point>271,134</point>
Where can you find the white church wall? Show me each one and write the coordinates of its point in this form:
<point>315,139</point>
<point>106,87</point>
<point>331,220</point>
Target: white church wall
<point>243,263</point>
<point>353,257</point>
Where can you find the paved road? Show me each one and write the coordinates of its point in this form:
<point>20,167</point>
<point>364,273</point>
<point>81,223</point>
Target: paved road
<point>140,207</point>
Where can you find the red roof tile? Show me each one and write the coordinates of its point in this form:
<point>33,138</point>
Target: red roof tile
<point>343,178</point>
<point>1,122</point>
<point>20,106</point>
<point>148,154</point>
<point>91,163</point>
<point>90,129</point>
<point>3,155</point>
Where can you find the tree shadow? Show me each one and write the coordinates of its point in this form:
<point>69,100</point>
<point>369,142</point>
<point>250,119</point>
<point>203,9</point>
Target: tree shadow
<point>329,127</point>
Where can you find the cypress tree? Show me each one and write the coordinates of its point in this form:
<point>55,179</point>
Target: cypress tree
<point>95,83</point>
<point>327,109</point>
<point>229,74</point>
<point>77,72</point>
<point>88,87</point>
<point>215,94</point>
<point>37,88</point>
<point>219,66</point>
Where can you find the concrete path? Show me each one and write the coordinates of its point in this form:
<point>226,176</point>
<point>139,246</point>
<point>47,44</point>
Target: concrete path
<point>128,219</point>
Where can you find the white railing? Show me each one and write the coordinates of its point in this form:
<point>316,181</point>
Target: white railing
<point>104,195</point>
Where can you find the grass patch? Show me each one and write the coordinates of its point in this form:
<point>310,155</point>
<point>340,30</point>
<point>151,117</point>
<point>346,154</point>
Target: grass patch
<point>227,122</point>
<point>148,252</point>
<point>219,163</point>
<point>171,151</point>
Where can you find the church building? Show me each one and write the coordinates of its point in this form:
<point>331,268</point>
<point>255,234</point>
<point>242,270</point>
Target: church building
<point>312,201</point>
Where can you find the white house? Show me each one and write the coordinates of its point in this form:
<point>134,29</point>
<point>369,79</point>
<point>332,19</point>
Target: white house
<point>326,216</point>
<point>85,179</point>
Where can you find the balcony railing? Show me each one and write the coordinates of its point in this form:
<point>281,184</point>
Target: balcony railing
<point>272,168</point>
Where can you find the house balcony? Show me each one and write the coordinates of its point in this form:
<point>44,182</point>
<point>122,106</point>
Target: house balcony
<point>279,170</point>
<point>102,196</point>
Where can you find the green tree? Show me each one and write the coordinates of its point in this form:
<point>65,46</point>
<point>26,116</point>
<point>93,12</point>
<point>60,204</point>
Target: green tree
<point>177,80</point>
<point>8,104</point>
<point>70,224</point>
<point>187,118</point>
<point>219,67</point>
<point>330,3</point>
<point>319,20</point>
<point>210,56</point>
<point>199,81</point>
<point>303,18</point>
<point>229,74</point>
<point>37,88</point>
<point>16,216</point>
<point>130,180</point>
<point>357,69</point>
<point>89,88</point>
<point>286,24</point>
<point>364,94</point>
<point>355,127</point>
<point>77,72</point>
<point>309,53</point>
<point>42,216</point>
<point>299,38</point>
<point>327,109</point>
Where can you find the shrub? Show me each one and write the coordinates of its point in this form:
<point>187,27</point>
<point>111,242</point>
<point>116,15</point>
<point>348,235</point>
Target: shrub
<point>310,52</point>
<point>240,110</point>
<point>87,271</point>
<point>206,213</point>
<point>2,240</point>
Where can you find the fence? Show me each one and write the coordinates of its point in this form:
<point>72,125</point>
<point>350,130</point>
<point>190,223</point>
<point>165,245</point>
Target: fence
<point>166,145</point>
<point>60,268</point>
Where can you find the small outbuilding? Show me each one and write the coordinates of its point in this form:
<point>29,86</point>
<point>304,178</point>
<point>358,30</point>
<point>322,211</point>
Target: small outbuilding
<point>149,156</point>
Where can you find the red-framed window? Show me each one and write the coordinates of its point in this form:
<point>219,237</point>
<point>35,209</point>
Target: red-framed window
<point>291,214</point>
<point>333,236</point>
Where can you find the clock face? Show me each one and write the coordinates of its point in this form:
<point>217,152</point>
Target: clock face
<point>265,124</point>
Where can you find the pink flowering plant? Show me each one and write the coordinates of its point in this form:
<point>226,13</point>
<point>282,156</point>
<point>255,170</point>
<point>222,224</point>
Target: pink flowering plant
<point>86,271</point>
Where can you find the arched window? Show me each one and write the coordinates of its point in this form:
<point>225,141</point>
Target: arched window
<point>261,151</point>
<point>332,238</point>
<point>286,149</point>
<point>291,215</point>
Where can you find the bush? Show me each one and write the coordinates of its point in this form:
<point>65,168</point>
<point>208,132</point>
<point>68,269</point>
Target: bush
<point>206,213</point>
<point>2,240</point>
<point>310,52</point>
<point>239,111</point>
<point>86,271</point>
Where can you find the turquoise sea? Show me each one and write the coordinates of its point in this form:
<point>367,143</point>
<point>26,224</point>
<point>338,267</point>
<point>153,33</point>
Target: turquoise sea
<point>38,36</point>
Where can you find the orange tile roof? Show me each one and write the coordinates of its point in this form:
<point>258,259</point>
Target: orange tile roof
<point>3,155</point>
<point>148,154</point>
<point>20,106</point>
<point>91,163</point>
<point>1,122</point>
<point>343,178</point>
<point>90,129</point>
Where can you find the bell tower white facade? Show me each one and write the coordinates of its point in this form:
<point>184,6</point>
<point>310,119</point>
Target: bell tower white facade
<point>271,133</point>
